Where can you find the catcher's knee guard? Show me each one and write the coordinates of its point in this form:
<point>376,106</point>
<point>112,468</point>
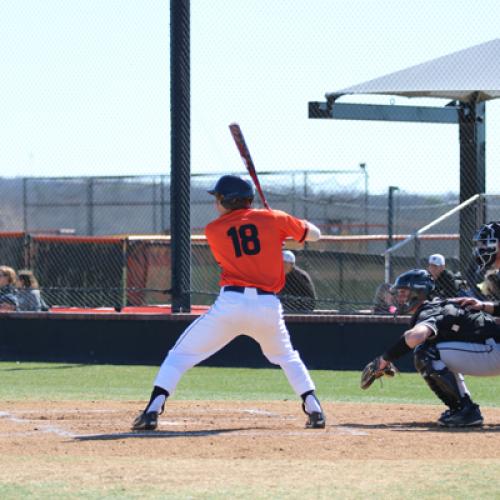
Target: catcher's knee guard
<point>441,382</point>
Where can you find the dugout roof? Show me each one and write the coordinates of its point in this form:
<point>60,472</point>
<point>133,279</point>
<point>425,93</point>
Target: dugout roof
<point>468,78</point>
<point>472,73</point>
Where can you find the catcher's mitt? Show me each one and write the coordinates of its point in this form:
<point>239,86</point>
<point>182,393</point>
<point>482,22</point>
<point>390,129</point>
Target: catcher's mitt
<point>372,372</point>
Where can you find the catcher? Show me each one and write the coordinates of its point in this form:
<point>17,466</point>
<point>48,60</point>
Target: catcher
<point>447,341</point>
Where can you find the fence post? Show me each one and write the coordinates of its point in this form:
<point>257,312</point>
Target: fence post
<point>417,252</point>
<point>163,205</point>
<point>25,204</point>
<point>27,251</point>
<point>124,293</point>
<point>362,166</point>
<point>90,206</point>
<point>342,301</point>
<point>390,230</point>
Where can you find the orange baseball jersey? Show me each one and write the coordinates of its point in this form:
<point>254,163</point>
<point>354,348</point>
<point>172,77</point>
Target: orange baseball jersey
<point>247,245</point>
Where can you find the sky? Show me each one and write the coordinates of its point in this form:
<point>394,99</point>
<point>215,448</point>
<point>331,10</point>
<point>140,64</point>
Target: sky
<point>85,86</point>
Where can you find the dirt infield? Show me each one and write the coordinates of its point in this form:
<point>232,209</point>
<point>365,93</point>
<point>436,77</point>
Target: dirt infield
<point>243,430</point>
<point>90,442</point>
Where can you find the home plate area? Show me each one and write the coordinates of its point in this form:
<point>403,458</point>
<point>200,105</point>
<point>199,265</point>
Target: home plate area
<point>242,429</point>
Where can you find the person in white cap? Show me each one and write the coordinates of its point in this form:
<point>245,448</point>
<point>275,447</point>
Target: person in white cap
<point>298,294</point>
<point>444,279</point>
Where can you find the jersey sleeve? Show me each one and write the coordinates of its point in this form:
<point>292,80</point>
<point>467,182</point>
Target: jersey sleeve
<point>290,227</point>
<point>430,316</point>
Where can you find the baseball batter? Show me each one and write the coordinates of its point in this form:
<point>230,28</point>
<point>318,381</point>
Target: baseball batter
<point>448,341</point>
<point>247,245</point>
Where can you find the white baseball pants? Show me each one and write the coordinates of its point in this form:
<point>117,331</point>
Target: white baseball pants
<point>233,313</point>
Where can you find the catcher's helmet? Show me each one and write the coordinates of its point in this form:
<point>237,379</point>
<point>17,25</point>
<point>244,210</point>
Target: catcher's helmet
<point>232,187</point>
<point>420,284</point>
<point>486,244</point>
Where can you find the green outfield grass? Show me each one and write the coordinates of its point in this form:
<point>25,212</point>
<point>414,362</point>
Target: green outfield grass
<point>58,381</point>
<point>125,468</point>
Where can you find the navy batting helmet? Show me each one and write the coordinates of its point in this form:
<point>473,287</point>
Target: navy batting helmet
<point>420,284</point>
<point>486,244</point>
<point>232,187</point>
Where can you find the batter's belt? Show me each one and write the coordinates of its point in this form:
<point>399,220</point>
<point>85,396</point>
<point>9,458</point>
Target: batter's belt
<point>241,289</point>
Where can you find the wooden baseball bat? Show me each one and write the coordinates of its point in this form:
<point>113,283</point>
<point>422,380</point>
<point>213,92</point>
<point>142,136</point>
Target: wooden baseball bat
<point>247,159</point>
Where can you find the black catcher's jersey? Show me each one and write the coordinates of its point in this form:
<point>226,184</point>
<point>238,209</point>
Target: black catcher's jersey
<point>449,322</point>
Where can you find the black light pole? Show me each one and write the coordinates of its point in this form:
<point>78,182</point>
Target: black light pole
<point>180,138</point>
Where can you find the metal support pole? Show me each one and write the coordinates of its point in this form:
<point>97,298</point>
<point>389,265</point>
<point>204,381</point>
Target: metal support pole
<point>123,300</point>
<point>163,205</point>
<point>390,231</point>
<point>472,179</point>
<point>90,206</point>
<point>417,252</point>
<point>365,172</point>
<point>180,185</point>
<point>25,204</point>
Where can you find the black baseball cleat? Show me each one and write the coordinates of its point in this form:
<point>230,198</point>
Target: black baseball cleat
<point>146,421</point>
<point>315,420</point>
<point>468,416</point>
<point>445,416</point>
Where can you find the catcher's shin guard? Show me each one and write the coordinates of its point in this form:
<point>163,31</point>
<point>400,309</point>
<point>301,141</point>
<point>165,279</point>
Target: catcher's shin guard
<point>441,382</point>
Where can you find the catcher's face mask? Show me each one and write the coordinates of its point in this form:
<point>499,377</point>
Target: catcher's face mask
<point>407,300</point>
<point>486,244</point>
<point>485,252</point>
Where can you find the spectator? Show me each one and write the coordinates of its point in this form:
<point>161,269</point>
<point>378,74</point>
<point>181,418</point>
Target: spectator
<point>299,293</point>
<point>28,293</point>
<point>8,298</point>
<point>383,302</point>
<point>444,279</point>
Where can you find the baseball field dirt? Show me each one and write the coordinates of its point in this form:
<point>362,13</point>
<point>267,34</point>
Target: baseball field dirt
<point>241,449</point>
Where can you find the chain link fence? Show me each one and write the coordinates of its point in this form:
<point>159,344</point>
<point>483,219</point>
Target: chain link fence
<point>88,96</point>
<point>97,242</point>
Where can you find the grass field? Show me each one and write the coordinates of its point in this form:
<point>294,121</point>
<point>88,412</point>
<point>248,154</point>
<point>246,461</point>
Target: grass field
<point>56,381</point>
<point>118,465</point>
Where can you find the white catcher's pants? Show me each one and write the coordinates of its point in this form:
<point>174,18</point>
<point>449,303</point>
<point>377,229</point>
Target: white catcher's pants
<point>258,316</point>
<point>469,358</point>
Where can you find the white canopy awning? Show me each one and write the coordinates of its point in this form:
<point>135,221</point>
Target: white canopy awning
<point>468,75</point>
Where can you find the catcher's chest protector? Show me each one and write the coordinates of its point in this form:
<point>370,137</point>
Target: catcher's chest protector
<point>455,323</point>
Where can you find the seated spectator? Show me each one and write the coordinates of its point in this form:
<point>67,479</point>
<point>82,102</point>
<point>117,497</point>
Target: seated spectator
<point>298,294</point>
<point>383,302</point>
<point>445,280</point>
<point>28,294</point>
<point>8,297</point>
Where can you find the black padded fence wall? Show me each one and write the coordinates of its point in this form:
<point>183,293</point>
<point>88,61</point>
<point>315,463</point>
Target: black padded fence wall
<point>339,344</point>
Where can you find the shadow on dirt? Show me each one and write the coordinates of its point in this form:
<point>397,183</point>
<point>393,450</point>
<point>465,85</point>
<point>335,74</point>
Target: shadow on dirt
<point>156,434</point>
<point>422,427</point>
